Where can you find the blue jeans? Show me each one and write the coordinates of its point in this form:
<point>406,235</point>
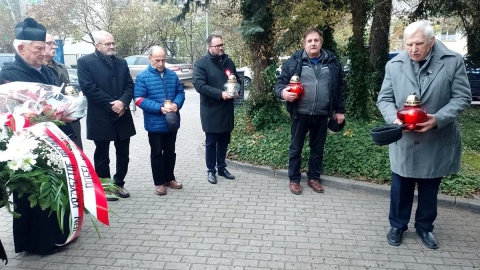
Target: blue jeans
<point>316,126</point>
<point>401,202</point>
<point>216,150</point>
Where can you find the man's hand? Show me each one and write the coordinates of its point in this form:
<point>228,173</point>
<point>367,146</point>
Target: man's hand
<point>118,107</point>
<point>397,121</point>
<point>226,95</point>
<point>173,108</point>
<point>288,96</point>
<point>427,125</point>
<point>340,117</point>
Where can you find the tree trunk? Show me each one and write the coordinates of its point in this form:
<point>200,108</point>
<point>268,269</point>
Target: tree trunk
<point>379,34</point>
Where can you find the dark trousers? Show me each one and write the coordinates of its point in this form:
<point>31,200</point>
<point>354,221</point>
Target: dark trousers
<point>101,159</point>
<point>77,129</point>
<point>401,202</point>
<point>216,150</point>
<point>162,156</point>
<point>316,126</point>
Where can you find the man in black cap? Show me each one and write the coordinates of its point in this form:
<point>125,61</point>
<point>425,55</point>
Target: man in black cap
<point>35,230</point>
<point>28,65</point>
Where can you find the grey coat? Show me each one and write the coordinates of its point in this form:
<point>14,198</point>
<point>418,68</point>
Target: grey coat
<point>444,93</point>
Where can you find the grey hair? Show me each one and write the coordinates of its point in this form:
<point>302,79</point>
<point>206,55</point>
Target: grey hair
<point>18,42</point>
<point>154,48</point>
<point>98,36</point>
<point>424,25</point>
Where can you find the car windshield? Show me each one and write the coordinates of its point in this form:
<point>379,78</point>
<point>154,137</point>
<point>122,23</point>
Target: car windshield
<point>6,59</point>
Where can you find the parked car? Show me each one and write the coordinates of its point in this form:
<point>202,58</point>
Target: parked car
<point>474,79</point>
<point>138,63</point>
<point>247,76</point>
<point>6,58</point>
<point>72,74</point>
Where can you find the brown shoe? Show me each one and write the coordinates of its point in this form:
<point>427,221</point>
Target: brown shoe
<point>174,184</point>
<point>295,188</point>
<point>161,190</point>
<point>315,185</point>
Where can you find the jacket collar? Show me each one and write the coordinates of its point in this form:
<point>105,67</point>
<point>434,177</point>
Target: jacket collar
<point>217,58</point>
<point>102,57</point>
<point>154,70</point>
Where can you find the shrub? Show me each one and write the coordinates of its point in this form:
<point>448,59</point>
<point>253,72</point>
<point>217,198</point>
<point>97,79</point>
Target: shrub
<point>350,153</point>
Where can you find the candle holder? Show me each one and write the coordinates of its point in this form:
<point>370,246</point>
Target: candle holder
<point>167,104</point>
<point>295,85</point>
<point>412,112</point>
<point>231,86</point>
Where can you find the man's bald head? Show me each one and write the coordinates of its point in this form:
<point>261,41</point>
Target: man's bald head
<point>156,55</point>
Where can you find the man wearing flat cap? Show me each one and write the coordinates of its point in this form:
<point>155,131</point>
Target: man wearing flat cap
<point>35,231</point>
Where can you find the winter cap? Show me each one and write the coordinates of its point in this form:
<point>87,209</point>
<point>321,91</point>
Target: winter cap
<point>30,29</point>
<point>173,121</point>
<point>386,134</point>
<point>334,126</point>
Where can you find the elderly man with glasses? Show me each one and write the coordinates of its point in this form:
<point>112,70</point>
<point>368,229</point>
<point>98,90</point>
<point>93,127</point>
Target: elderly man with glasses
<point>61,74</point>
<point>106,82</point>
<point>210,73</point>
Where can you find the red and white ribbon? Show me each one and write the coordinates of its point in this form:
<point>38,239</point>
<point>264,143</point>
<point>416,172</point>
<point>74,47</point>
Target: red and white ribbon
<point>85,189</point>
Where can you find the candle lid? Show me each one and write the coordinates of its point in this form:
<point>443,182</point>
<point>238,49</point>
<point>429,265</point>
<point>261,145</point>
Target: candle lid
<point>295,78</point>
<point>232,79</point>
<point>412,100</point>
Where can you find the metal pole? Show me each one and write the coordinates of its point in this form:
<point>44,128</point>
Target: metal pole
<point>206,23</point>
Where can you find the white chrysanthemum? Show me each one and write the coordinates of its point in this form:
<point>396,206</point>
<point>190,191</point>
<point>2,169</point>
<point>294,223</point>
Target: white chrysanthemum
<point>13,165</point>
<point>27,162</point>
<point>19,145</point>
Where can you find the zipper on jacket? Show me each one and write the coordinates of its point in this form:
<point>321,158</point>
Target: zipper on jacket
<point>316,83</point>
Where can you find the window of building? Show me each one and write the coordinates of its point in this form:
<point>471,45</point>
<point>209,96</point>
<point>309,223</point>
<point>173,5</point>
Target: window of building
<point>448,34</point>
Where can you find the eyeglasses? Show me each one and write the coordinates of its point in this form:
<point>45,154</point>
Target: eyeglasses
<point>51,43</point>
<point>108,44</point>
<point>218,46</point>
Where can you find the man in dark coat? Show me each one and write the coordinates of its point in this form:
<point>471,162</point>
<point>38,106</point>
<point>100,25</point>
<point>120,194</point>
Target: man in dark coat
<point>35,231</point>
<point>106,82</point>
<point>216,105</point>
<point>61,75</point>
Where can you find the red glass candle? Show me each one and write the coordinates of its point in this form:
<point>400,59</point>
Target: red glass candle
<point>295,85</point>
<point>412,112</point>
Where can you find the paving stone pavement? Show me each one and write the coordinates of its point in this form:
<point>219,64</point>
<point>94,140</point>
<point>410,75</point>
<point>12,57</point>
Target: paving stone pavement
<point>252,222</point>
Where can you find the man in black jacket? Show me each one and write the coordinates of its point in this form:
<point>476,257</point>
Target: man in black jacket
<point>321,74</point>
<point>106,82</point>
<point>216,105</point>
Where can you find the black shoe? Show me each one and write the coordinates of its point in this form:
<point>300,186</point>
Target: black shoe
<point>395,236</point>
<point>428,239</point>
<point>111,197</point>
<point>226,174</point>
<point>121,192</point>
<point>212,178</point>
